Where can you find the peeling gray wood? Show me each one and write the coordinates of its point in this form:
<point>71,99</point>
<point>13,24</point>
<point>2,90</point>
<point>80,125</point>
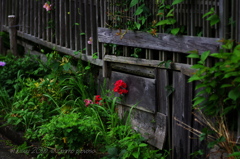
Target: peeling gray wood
<point>166,42</point>
<point>141,91</point>
<point>153,127</point>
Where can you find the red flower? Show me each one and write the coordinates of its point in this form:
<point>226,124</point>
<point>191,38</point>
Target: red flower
<point>97,99</point>
<point>120,87</point>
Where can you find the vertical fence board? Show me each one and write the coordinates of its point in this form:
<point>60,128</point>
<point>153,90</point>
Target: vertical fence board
<point>39,19</point>
<point>77,16</point>
<point>56,22</point>
<point>163,106</point>
<point>35,18</point>
<point>181,110</point>
<point>67,14</point>
<point>82,26</point>
<point>31,18</point>
<point>72,24</point>
<point>62,23</point>
<point>87,23</point>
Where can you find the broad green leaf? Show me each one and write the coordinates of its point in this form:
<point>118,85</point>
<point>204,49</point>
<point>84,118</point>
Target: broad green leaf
<point>200,85</point>
<point>234,154</point>
<point>177,2</point>
<point>213,97</point>
<point>194,78</point>
<point>193,56</point>
<point>170,13</point>
<point>234,94</point>
<point>139,10</point>
<point>138,25</point>
<point>198,100</point>
<point>197,66</point>
<point>236,51</point>
<point>208,13</point>
<point>205,55</point>
<point>166,22</point>
<point>175,31</point>
<point>136,154</point>
<point>226,85</point>
<point>230,74</point>
<point>133,3</point>
<point>214,19</point>
<point>228,44</point>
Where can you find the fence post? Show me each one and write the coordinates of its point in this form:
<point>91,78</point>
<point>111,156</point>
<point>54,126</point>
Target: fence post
<point>13,34</point>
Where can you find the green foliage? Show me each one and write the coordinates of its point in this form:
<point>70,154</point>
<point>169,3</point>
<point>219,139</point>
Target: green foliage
<point>220,83</point>
<point>15,68</point>
<point>213,17</point>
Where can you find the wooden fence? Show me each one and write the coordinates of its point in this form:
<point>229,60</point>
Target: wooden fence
<point>72,23</point>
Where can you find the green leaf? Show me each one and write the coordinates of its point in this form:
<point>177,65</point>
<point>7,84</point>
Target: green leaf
<point>142,145</point>
<point>214,19</point>
<point>193,56</point>
<point>234,154</point>
<point>139,9</point>
<point>138,25</point>
<point>204,55</point>
<point>228,44</point>
<point>170,13</point>
<point>167,22</point>
<point>234,94</point>
<point>175,31</point>
<point>200,85</point>
<point>197,66</point>
<point>213,97</point>
<point>194,78</point>
<point>135,154</point>
<point>177,2</point>
<point>206,14</point>
<point>226,85</point>
<point>198,100</point>
<point>133,3</point>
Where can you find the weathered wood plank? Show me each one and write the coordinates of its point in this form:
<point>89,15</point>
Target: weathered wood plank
<point>133,69</point>
<point>59,48</point>
<point>141,90</point>
<point>184,68</point>
<point>162,41</point>
<point>163,100</point>
<point>13,34</point>
<point>181,110</point>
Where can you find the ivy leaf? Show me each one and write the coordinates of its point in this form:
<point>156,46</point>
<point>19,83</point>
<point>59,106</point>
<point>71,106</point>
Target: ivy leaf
<point>175,31</point>
<point>177,2</point>
<point>133,3</point>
